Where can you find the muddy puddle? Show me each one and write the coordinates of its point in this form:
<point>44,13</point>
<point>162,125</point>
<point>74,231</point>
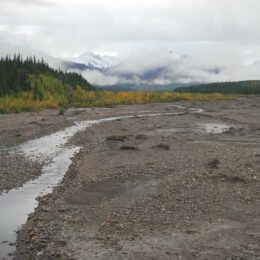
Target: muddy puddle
<point>213,128</point>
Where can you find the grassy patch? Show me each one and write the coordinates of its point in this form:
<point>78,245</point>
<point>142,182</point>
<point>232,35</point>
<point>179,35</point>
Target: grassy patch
<point>27,101</point>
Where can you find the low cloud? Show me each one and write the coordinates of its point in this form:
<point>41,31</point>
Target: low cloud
<point>169,68</point>
<point>98,78</point>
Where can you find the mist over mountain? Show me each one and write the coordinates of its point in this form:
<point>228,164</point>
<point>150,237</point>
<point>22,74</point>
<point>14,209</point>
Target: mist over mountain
<point>140,70</point>
<point>96,61</point>
<point>165,69</point>
<point>158,43</point>
<point>154,69</point>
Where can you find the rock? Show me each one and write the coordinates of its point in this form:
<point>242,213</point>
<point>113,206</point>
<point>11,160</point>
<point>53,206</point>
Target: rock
<point>126,147</point>
<point>214,164</point>
<point>165,147</point>
<point>120,138</point>
<point>141,137</point>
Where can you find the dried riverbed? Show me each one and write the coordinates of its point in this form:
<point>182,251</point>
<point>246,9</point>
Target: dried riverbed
<point>164,187</point>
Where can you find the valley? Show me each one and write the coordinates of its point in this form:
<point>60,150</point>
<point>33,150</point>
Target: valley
<point>175,180</point>
<point>129,130</point>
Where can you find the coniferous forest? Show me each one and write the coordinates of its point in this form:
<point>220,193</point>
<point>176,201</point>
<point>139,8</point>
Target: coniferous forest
<point>242,87</point>
<point>31,85</point>
<point>16,75</point>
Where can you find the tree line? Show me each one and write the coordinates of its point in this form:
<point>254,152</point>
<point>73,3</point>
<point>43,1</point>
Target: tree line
<point>241,87</point>
<point>16,72</point>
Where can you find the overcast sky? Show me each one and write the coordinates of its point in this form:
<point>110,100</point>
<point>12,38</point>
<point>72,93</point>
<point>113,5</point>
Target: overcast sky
<point>66,27</point>
<point>211,31</point>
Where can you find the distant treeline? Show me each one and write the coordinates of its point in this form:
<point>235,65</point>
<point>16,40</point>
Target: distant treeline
<point>17,74</point>
<point>241,87</point>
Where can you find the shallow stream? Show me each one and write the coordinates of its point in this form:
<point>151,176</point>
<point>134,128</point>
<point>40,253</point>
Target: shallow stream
<point>17,204</point>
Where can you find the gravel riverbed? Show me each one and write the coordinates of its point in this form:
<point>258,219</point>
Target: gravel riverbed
<point>164,187</point>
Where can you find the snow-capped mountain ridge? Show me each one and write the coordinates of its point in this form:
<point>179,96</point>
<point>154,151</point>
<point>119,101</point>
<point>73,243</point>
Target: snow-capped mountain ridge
<point>97,61</point>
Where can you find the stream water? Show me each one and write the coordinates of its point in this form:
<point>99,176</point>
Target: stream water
<point>213,128</point>
<point>17,204</point>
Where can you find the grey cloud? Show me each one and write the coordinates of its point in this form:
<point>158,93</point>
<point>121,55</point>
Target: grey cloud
<point>31,2</point>
<point>214,34</point>
<point>79,25</point>
<point>154,70</point>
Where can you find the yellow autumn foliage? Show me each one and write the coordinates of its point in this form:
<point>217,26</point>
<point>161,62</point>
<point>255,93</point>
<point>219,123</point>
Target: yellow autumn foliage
<point>83,98</point>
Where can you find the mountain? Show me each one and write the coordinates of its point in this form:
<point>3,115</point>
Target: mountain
<point>165,69</point>
<point>153,70</point>
<point>141,70</point>
<point>96,61</point>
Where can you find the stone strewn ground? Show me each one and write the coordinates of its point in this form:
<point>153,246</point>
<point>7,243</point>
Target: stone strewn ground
<point>156,188</point>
